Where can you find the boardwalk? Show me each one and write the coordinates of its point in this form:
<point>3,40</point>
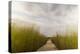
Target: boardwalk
<point>48,46</point>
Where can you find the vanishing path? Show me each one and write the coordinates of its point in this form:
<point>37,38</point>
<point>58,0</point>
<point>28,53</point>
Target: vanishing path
<point>48,46</point>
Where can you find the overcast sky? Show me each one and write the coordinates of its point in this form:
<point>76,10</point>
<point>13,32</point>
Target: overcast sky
<point>50,17</point>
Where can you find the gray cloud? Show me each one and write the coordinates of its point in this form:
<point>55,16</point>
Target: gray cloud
<point>52,17</point>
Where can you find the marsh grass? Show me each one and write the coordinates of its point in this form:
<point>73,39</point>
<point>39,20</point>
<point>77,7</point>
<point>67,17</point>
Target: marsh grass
<point>63,42</point>
<point>26,39</point>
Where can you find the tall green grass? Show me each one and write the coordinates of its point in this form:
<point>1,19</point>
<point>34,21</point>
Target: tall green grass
<point>66,41</point>
<point>26,39</point>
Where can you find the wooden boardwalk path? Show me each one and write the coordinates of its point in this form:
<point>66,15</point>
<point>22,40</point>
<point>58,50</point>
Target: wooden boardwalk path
<point>48,46</point>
